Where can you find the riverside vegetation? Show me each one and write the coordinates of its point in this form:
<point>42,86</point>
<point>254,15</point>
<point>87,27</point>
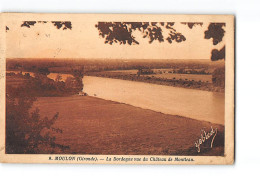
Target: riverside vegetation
<point>26,130</point>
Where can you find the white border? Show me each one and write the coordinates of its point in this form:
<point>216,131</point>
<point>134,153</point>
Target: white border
<point>247,88</point>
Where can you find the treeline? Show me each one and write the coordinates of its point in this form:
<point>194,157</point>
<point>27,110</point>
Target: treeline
<point>142,71</point>
<point>214,87</point>
<point>94,65</point>
<point>40,85</point>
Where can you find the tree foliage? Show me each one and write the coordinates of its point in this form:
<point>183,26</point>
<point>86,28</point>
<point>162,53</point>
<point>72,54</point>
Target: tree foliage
<point>122,32</point>
<point>28,24</point>
<point>216,32</point>
<point>218,54</point>
<point>191,25</point>
<point>62,24</point>
<point>58,24</point>
<point>27,132</point>
<point>43,71</point>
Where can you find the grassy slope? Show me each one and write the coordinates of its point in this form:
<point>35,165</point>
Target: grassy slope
<point>95,126</point>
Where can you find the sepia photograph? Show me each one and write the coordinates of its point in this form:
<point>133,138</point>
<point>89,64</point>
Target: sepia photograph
<point>117,89</point>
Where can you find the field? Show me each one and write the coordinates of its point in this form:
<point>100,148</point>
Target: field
<point>123,129</point>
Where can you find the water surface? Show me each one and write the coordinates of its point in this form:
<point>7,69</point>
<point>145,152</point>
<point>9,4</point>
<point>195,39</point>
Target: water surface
<point>196,104</point>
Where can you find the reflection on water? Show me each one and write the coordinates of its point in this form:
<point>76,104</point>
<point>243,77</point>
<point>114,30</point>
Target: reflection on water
<point>197,104</point>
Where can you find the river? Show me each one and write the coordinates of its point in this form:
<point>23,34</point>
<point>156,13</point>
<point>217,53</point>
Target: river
<point>196,104</point>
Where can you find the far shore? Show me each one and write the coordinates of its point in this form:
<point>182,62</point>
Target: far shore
<point>146,79</point>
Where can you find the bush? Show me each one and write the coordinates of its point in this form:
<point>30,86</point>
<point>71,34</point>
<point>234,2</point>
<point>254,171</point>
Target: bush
<point>27,132</point>
<point>218,77</point>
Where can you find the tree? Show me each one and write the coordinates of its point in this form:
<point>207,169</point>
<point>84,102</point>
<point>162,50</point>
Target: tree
<point>28,132</point>
<point>218,54</point>
<point>62,24</point>
<point>191,25</point>
<point>43,71</point>
<point>73,84</point>
<point>122,33</point>
<point>216,32</point>
<point>78,76</point>
<point>58,24</point>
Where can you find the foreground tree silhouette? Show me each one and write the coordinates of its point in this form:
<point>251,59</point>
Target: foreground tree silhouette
<point>216,32</point>
<point>122,33</point>
<point>218,54</point>
<point>58,24</point>
<point>26,130</point>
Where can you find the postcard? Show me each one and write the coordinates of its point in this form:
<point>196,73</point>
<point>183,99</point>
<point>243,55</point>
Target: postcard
<point>116,88</point>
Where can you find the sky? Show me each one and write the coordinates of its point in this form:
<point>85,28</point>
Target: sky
<point>44,40</point>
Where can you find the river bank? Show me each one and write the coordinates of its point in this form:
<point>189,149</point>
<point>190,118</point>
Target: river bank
<point>97,126</point>
<point>189,84</point>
